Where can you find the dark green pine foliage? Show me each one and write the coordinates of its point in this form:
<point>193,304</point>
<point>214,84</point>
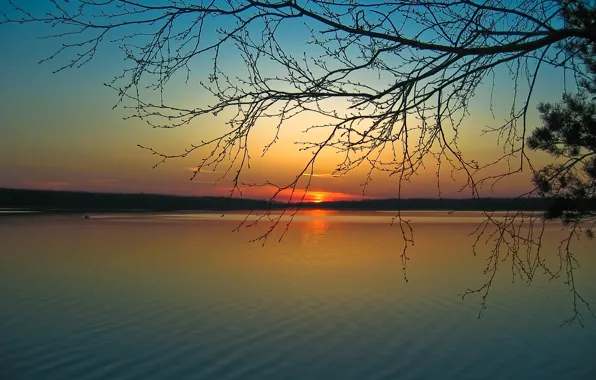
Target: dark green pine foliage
<point>568,131</point>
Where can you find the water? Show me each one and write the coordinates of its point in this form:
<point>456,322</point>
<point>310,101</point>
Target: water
<point>180,296</point>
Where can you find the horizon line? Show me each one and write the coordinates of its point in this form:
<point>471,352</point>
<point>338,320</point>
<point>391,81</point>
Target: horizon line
<point>364,199</point>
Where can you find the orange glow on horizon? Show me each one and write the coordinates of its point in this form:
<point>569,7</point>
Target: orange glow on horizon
<point>318,197</point>
<point>325,196</point>
<point>297,195</point>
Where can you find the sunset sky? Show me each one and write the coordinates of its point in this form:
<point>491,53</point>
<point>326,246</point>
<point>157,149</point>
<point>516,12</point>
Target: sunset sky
<point>59,131</point>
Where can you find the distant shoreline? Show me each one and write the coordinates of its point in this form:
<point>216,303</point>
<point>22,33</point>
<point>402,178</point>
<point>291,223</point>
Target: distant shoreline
<point>26,201</point>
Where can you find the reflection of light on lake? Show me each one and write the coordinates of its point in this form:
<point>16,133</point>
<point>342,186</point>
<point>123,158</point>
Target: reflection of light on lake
<point>317,224</point>
<point>318,212</point>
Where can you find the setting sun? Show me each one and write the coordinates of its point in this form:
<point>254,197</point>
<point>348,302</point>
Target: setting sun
<point>327,196</point>
<point>318,197</point>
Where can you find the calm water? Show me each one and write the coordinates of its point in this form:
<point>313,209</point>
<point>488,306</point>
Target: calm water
<point>182,297</point>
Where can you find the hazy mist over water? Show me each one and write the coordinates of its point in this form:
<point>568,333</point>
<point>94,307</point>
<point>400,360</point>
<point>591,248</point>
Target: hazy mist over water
<point>181,296</point>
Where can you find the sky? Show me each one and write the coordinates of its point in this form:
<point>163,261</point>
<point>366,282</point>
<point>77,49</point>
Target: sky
<point>60,131</point>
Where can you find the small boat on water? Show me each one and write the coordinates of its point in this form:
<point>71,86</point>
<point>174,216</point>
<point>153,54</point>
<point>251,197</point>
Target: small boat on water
<point>86,216</point>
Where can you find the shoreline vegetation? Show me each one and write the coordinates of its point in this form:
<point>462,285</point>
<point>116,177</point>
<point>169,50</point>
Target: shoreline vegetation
<point>15,201</point>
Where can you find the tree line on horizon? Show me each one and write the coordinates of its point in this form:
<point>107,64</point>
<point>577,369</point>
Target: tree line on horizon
<point>93,201</point>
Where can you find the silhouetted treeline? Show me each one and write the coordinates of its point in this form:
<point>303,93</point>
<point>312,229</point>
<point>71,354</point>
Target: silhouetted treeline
<point>450,204</point>
<point>44,200</point>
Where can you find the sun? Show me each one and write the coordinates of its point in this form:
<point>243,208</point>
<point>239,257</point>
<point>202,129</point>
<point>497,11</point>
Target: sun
<point>327,196</point>
<point>318,197</point>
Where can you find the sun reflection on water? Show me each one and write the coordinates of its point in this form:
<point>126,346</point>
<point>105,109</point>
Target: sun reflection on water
<point>317,224</point>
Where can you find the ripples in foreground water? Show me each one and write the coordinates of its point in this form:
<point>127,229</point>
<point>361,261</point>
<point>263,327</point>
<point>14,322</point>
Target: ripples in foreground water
<point>182,297</point>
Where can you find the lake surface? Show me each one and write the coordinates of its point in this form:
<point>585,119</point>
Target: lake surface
<point>181,296</point>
